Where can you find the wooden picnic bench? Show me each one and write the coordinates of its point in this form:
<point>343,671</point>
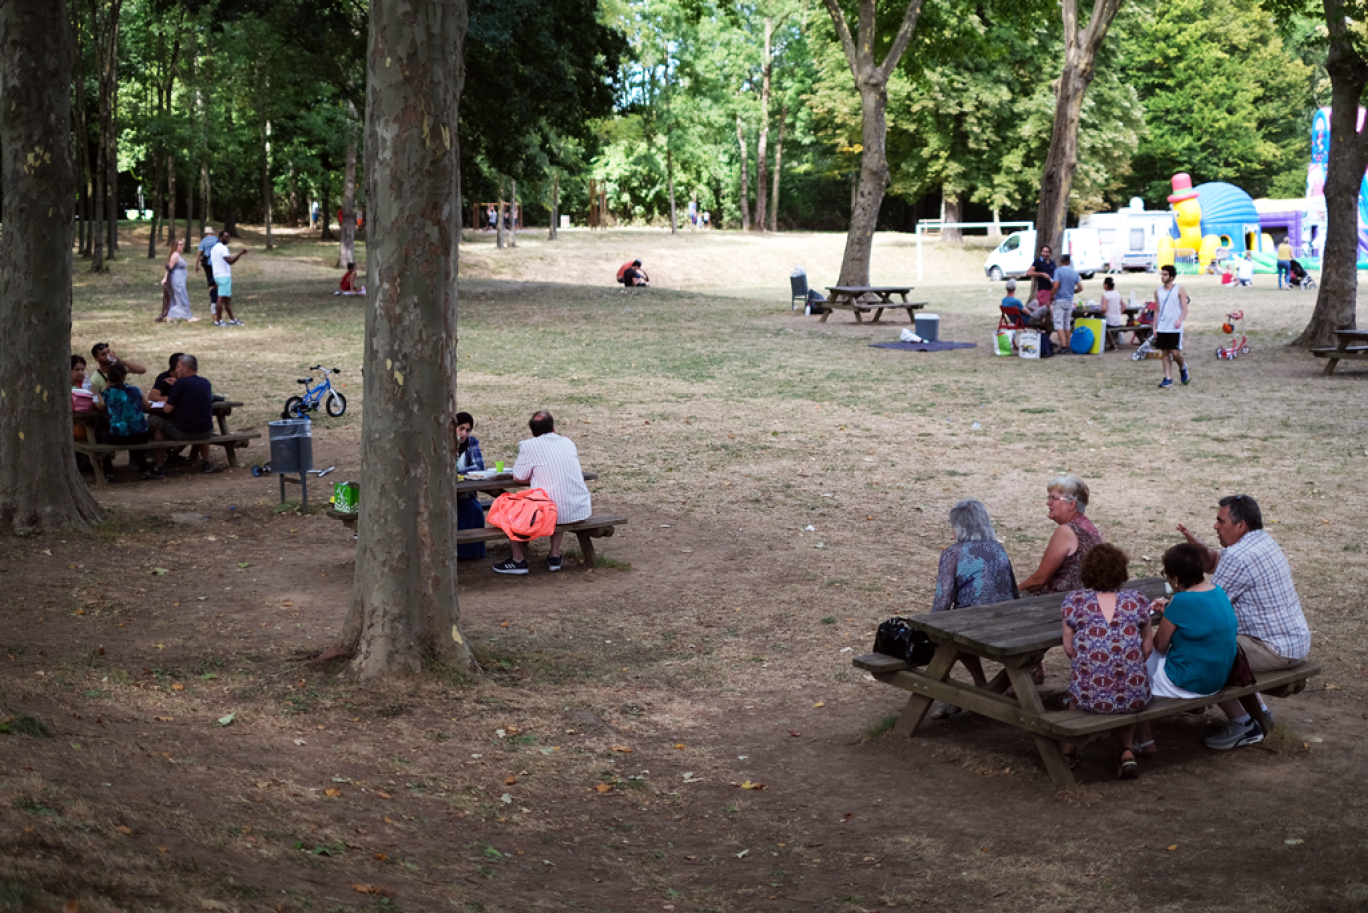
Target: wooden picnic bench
<point>230,441</point>
<point>1018,634</point>
<point>1353,346</point>
<point>853,298</point>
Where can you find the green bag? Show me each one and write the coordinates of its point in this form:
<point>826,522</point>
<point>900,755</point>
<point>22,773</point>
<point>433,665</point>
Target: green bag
<point>1002,342</point>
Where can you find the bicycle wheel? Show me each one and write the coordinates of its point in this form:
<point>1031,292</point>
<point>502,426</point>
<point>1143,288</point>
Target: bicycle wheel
<point>295,408</point>
<point>337,404</point>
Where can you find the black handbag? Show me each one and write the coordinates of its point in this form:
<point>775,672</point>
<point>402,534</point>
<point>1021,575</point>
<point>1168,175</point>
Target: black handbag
<point>897,638</point>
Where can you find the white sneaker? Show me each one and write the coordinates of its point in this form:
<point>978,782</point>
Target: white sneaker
<point>1236,735</point>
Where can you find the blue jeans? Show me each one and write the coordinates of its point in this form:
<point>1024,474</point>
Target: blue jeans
<point>1284,269</point>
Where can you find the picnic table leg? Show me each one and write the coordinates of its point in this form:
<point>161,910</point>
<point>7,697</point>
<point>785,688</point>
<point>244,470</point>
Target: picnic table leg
<point>826,312</point>
<point>877,315</point>
<point>586,544</point>
<point>1051,752</point>
<point>222,421</point>
<point>1331,362</point>
<point>915,710</point>
<point>856,312</point>
<point>230,449</point>
<point>99,470</point>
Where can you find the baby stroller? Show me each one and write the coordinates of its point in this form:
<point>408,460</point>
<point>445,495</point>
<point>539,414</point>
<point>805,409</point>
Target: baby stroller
<point>1298,277</point>
<point>1234,323</point>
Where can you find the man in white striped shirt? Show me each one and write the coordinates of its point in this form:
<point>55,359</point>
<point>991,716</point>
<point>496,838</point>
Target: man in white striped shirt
<point>550,462</point>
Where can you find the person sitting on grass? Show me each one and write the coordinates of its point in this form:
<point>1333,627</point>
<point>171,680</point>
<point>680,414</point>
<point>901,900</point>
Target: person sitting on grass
<point>631,274</point>
<point>189,416</point>
<point>1194,647</point>
<point>1108,637</point>
<point>348,285</point>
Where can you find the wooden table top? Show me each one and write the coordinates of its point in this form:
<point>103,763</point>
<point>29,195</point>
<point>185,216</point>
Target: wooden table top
<point>1030,625</point>
<point>502,482</point>
<point>1352,334</point>
<point>862,289</point>
<point>221,407</point>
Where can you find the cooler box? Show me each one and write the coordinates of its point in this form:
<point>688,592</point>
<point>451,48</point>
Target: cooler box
<point>928,327</point>
<point>1099,330</point>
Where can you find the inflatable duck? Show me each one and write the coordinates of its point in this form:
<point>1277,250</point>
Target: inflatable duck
<point>1188,214</point>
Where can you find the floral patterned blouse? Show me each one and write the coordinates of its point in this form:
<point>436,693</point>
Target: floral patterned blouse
<point>974,573</point>
<point>1109,673</point>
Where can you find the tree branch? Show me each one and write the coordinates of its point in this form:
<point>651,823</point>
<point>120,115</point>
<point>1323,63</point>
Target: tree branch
<point>904,36</point>
<point>843,32</point>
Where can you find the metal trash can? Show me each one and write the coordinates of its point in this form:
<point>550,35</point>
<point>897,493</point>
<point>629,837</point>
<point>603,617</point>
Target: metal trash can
<point>291,445</point>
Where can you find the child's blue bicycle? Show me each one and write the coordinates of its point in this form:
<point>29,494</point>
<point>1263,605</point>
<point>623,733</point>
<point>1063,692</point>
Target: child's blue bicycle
<point>322,396</point>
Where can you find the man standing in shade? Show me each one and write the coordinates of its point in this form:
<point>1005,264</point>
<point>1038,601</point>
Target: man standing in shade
<point>222,265</point>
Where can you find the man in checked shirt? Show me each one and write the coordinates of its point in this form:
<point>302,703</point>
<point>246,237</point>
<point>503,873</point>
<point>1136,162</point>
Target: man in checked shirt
<point>1255,575</point>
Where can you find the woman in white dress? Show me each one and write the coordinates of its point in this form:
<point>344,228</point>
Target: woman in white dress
<point>175,278</point>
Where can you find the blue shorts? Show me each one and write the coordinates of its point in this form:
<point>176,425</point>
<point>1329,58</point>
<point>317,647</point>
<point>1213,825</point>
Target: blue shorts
<point>225,286</point>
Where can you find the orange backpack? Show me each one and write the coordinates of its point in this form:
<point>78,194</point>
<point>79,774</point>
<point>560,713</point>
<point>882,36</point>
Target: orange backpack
<point>524,515</point>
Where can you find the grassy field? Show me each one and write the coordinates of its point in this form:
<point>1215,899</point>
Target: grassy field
<point>787,487</point>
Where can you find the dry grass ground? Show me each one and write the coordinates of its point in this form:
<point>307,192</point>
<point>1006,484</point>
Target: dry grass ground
<point>596,764</point>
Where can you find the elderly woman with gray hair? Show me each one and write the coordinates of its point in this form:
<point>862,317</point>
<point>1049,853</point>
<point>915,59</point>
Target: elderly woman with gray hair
<point>974,571</point>
<point>1074,537</point>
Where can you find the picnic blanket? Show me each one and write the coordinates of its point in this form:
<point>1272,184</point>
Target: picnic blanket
<point>924,346</point>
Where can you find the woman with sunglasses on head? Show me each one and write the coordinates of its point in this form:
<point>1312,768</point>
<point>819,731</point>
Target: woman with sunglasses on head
<point>1074,537</point>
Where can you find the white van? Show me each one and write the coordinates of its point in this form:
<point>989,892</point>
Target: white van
<point>1130,236</point>
<point>1014,256</point>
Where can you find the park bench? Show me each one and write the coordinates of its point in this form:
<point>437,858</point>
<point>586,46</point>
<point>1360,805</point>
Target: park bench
<point>229,442</point>
<point>1353,346</point>
<point>854,298</point>
<point>587,530</point>
<point>1018,634</point>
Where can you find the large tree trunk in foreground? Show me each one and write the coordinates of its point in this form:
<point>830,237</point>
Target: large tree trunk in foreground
<point>871,81</point>
<point>1080,51</point>
<point>1336,301</point>
<point>39,485</point>
<point>745,177</point>
<point>346,252</point>
<point>404,614</point>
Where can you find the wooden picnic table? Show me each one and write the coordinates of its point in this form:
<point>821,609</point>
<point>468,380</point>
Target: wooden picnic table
<point>853,298</point>
<point>1353,346</point>
<point>1018,634</point>
<point>222,409</point>
<point>226,439</point>
<point>503,481</point>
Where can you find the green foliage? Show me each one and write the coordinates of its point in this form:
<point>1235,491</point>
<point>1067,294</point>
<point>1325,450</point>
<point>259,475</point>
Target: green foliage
<point>1225,97</point>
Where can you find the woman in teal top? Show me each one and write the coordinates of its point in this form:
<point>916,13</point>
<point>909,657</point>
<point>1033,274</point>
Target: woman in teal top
<point>1194,647</point>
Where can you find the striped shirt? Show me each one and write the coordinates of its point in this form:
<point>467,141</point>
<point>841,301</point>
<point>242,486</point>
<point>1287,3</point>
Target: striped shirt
<point>551,462</point>
<point>1255,575</point>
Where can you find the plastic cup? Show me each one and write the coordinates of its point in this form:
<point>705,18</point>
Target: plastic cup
<point>498,465</point>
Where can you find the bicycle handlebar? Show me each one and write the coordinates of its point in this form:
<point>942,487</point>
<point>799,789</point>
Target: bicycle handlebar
<point>325,370</point>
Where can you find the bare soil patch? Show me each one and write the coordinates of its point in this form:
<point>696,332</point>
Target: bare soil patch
<point>171,747</point>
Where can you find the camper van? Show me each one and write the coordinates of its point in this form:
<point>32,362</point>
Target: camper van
<point>1130,236</point>
<point>1014,256</point>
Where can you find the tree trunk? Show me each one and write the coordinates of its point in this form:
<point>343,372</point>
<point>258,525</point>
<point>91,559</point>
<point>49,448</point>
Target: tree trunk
<point>778,163</point>
<point>97,254</point>
<point>189,213</point>
<point>762,144</point>
<point>294,197</point>
<point>745,177</point>
<point>1336,301</point>
<point>206,198</point>
<point>404,615</point>
<point>40,488</point>
<point>952,211</point>
<point>171,222</point>
<point>109,124</point>
<point>669,176</point>
<point>1080,52</point>
<point>500,234</point>
<point>872,82</point>
<point>325,216</point>
<point>555,205</point>
<point>513,212</point>
<point>346,252</point>
<point>158,158</point>
<point>266,177</point>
